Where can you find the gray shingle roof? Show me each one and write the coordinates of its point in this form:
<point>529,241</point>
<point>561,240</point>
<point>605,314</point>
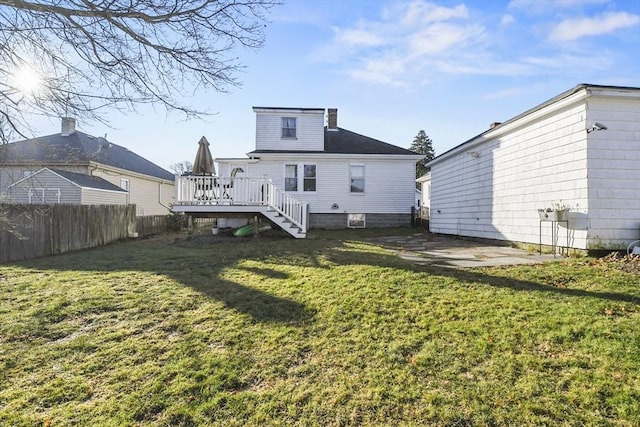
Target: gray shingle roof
<point>87,181</point>
<point>78,148</point>
<point>343,141</point>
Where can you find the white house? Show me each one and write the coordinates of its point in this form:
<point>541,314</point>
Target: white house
<point>580,149</point>
<point>337,177</point>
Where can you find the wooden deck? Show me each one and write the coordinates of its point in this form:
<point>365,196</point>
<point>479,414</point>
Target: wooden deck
<point>227,197</point>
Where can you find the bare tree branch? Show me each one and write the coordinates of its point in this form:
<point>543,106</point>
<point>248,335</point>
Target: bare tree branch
<point>92,55</point>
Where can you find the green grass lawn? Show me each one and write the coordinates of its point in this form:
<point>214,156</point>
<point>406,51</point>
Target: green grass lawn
<point>330,331</point>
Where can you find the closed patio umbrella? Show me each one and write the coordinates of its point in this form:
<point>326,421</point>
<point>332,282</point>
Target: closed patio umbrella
<point>203,164</point>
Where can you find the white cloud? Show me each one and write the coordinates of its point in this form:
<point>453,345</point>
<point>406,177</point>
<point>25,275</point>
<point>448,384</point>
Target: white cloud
<point>384,70</point>
<point>418,42</point>
<point>357,37</point>
<point>506,93</point>
<point>546,5</point>
<point>419,13</point>
<point>441,38</point>
<point>507,20</point>
<point>572,29</point>
<point>398,47</point>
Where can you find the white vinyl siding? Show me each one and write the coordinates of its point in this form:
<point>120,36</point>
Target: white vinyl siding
<point>613,159</point>
<point>309,131</point>
<point>289,127</point>
<point>390,183</point>
<point>548,158</point>
<point>494,190</point>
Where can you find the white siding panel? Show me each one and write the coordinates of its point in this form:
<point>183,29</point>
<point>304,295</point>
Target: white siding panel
<point>309,131</point>
<point>94,196</point>
<point>614,172</point>
<point>494,189</point>
<point>389,185</point>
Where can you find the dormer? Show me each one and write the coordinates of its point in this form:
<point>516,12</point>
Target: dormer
<point>289,129</point>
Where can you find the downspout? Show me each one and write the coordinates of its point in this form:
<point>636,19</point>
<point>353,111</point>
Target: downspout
<point>160,195</point>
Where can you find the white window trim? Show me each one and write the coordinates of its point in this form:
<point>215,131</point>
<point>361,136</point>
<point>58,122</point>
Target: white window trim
<point>364,174</point>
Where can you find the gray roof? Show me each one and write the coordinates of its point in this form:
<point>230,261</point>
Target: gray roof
<point>78,148</point>
<point>87,181</point>
<point>343,141</point>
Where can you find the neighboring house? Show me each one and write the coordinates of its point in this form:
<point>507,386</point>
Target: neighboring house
<point>49,186</point>
<point>580,148</point>
<point>425,191</point>
<point>79,166</point>
<point>340,178</point>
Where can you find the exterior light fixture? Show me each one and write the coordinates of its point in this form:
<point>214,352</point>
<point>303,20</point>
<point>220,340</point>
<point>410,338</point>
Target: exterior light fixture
<point>596,126</point>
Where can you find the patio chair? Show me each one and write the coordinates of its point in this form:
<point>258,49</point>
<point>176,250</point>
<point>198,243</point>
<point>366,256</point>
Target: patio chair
<point>205,188</point>
<point>229,185</point>
<point>634,248</point>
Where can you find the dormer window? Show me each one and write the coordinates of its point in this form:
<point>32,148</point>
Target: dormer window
<point>289,127</point>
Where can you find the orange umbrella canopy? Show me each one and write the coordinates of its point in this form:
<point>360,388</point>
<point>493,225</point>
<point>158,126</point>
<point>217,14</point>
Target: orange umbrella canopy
<point>203,164</point>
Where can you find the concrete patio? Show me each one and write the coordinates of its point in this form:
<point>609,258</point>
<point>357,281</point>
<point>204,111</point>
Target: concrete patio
<point>450,251</point>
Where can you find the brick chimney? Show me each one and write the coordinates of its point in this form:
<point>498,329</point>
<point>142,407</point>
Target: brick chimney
<point>68,126</point>
<point>332,119</point>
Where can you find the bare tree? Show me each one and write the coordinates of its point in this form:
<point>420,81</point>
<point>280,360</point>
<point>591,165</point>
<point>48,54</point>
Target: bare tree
<point>88,55</point>
<point>181,168</point>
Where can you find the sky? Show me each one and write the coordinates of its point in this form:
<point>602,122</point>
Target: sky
<point>393,68</point>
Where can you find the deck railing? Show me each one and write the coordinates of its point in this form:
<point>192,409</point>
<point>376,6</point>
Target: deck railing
<point>226,191</point>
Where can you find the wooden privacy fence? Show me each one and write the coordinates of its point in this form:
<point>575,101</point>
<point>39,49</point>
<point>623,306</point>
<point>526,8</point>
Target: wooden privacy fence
<point>151,224</point>
<point>30,231</point>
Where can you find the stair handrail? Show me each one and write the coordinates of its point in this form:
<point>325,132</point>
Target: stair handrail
<point>286,205</point>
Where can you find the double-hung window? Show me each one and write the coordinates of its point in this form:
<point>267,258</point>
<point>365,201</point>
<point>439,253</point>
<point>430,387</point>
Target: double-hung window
<point>356,176</point>
<point>300,176</point>
<point>309,178</point>
<point>289,127</point>
<point>290,177</point>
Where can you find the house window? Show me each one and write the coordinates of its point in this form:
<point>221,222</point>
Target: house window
<point>356,220</point>
<point>290,177</point>
<point>356,174</point>
<point>293,180</point>
<point>309,179</point>
<point>288,127</point>
<point>124,184</point>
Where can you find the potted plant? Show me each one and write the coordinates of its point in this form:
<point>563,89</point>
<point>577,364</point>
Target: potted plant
<point>557,212</point>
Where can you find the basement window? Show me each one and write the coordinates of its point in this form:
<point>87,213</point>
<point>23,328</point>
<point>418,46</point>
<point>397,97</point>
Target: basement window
<point>356,220</point>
